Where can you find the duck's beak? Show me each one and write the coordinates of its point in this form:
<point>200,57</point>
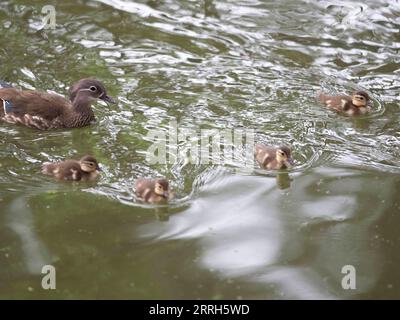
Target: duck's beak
<point>166,194</point>
<point>99,169</point>
<point>108,99</point>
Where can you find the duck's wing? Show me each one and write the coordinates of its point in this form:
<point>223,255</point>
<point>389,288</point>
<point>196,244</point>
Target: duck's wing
<point>322,97</point>
<point>48,168</point>
<point>144,188</point>
<point>34,103</point>
<point>69,170</point>
<point>340,102</point>
<point>264,154</point>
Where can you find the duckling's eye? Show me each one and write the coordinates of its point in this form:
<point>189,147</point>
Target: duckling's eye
<point>93,89</point>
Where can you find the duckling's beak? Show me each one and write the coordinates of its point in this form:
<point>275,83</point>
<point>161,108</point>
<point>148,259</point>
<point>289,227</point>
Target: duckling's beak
<point>108,99</point>
<point>99,169</point>
<point>166,194</point>
<point>290,162</point>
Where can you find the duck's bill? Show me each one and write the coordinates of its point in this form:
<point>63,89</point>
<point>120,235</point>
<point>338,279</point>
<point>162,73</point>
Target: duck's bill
<point>166,195</point>
<point>108,99</point>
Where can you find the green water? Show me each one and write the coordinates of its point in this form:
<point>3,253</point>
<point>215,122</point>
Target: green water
<point>230,233</point>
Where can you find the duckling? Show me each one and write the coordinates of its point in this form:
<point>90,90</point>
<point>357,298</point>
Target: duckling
<point>152,190</point>
<point>43,111</point>
<point>273,158</point>
<point>86,169</point>
<point>357,104</point>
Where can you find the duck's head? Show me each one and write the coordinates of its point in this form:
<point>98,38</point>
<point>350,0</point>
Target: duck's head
<point>360,98</point>
<point>284,156</point>
<point>161,188</point>
<point>91,89</point>
<point>89,164</point>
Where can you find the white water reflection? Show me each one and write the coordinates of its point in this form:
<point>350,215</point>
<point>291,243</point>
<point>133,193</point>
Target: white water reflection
<point>21,221</point>
<point>139,9</point>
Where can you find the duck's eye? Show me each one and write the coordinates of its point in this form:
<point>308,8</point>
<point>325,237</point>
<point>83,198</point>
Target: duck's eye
<point>93,89</point>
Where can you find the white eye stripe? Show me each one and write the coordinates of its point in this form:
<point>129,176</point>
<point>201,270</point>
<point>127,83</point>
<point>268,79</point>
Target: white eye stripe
<point>91,90</point>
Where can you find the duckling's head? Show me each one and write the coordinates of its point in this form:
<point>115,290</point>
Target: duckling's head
<point>91,89</point>
<point>89,164</point>
<point>284,156</point>
<point>360,98</point>
<point>161,188</point>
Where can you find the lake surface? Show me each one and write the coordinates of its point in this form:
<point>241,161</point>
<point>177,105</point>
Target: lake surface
<point>231,232</point>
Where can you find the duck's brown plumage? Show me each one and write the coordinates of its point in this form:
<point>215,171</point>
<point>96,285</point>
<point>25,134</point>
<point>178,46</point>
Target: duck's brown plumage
<point>146,190</point>
<point>268,158</point>
<point>41,110</point>
<point>344,103</point>
<point>86,169</point>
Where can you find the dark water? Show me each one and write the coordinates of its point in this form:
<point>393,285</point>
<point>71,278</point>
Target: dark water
<point>230,233</point>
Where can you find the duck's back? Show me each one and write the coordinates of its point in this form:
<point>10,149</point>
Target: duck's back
<point>144,187</point>
<point>34,109</point>
<point>145,191</point>
<point>264,154</point>
<point>41,104</point>
<point>67,170</point>
<point>339,103</point>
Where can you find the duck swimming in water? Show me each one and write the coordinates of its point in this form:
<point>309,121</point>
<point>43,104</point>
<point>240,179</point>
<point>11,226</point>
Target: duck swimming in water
<point>43,111</point>
<point>356,104</point>
<point>273,158</point>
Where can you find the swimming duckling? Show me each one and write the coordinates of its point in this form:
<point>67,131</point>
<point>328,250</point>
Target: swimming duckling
<point>86,169</point>
<point>273,158</point>
<point>357,104</point>
<point>43,111</point>
<point>152,190</point>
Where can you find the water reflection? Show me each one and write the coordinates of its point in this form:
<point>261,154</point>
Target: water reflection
<point>296,241</point>
<point>283,180</point>
<point>210,9</point>
<point>20,219</point>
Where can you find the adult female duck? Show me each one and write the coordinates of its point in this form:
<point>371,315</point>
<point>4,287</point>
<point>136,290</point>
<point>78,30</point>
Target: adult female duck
<point>43,111</point>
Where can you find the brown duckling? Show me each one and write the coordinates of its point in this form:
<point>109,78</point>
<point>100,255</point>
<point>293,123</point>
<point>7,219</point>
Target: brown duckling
<point>152,190</point>
<point>356,104</point>
<point>43,111</point>
<point>273,158</point>
<point>86,169</point>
